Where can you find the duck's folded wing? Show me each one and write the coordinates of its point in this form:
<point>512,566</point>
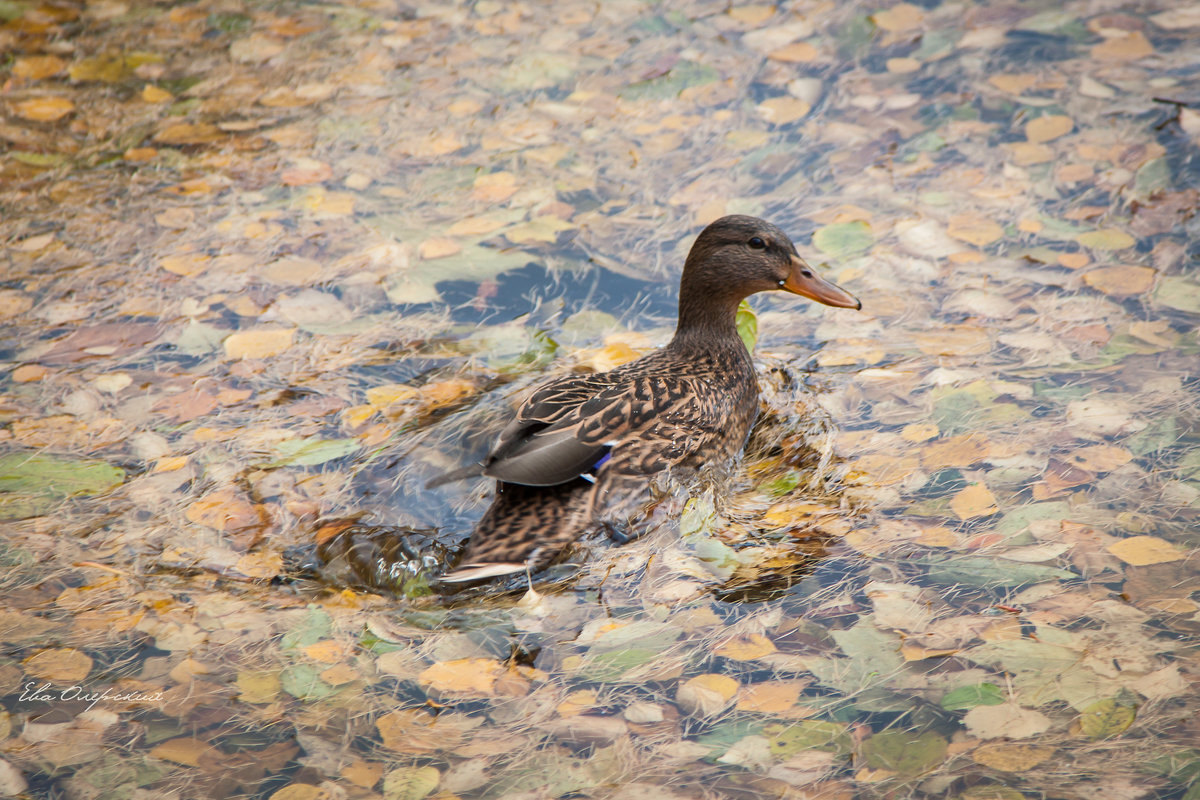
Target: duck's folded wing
<point>545,445</point>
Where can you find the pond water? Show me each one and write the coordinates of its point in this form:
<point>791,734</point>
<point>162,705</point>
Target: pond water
<point>268,267</point>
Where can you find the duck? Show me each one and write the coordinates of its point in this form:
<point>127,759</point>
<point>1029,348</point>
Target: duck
<point>581,449</point>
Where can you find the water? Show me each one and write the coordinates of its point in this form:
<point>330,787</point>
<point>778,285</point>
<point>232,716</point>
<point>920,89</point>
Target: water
<point>268,268</point>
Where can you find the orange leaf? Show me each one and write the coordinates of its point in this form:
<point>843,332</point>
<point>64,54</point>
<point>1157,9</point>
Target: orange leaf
<point>1120,281</point>
<point>747,648</point>
<point>45,109</point>
<point>1045,129</point>
<point>974,501</point>
<point>974,229</point>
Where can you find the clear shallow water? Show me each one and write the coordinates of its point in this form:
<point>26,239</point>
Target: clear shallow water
<point>266,266</point>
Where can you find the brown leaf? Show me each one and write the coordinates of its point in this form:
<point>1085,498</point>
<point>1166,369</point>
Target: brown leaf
<point>223,510</point>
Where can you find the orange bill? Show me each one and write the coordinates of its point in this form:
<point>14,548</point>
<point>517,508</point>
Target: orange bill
<point>805,282</point>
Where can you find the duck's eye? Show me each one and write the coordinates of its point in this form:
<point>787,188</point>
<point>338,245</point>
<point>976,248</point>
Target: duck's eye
<point>757,244</point>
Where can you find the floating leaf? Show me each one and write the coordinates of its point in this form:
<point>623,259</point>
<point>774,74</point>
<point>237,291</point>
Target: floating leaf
<point>310,451</point>
<point>747,325</point>
<point>1142,550</point>
<point>905,752</point>
<point>845,239</point>
<point>466,676</point>
<point>1107,239</point>
<point>45,109</point>
<point>259,343</point>
<point>1180,293</point>
<point>975,571</point>
<point>965,697</point>
<point>974,501</point>
<point>1045,129</point>
<point>1012,757</point>
<point>809,734</point>
<point>410,783</point>
<point>1106,718</point>
<point>974,229</point>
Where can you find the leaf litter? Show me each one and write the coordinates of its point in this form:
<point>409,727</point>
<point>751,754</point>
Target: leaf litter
<point>268,270</point>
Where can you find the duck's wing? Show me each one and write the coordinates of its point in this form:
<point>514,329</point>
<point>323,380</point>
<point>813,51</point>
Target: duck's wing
<point>546,443</point>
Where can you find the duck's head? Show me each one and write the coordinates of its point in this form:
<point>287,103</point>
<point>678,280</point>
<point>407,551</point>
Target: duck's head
<point>740,255</point>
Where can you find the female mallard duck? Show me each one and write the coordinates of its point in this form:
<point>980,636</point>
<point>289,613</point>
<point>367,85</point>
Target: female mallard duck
<point>581,445</point>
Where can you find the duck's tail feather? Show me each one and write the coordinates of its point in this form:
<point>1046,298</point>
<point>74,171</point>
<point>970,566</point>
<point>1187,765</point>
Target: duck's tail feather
<point>461,474</point>
<point>476,572</point>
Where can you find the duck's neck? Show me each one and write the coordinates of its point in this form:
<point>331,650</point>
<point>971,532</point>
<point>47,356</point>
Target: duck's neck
<point>707,319</point>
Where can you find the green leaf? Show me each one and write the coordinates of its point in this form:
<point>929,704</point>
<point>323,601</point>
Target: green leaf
<point>985,572</point>
<point>905,751</point>
<point>303,681</point>
<point>38,159</point>
<point>1179,293</point>
<point>844,239</point>
<point>410,783</point>
<point>1159,436</point>
<point>57,476</point>
<point>683,75</point>
<point>314,627</point>
<point>310,451</point>
<point>747,325</point>
<point>809,734</point>
<point>964,697</point>
<point>1107,718</point>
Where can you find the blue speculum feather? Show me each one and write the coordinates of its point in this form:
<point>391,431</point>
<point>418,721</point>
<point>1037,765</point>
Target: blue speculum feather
<point>603,459</point>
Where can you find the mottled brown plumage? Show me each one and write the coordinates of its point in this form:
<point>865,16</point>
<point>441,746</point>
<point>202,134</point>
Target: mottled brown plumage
<point>582,448</point>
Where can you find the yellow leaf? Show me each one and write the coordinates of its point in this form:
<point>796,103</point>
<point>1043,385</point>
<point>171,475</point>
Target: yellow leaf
<point>292,271</point>
<point>476,226</point>
<point>794,53</point>
<point>300,791</point>
<point>771,697</point>
<point>578,702</point>
<point>340,674</point>
<point>974,501</point>
<point>363,774</point>
<point>782,110</point>
<point>1123,48</point>
<point>954,340</point>
<point>747,648</point>
<point>1011,757</point>
<point>259,342</point>
<point>1142,550</point>
<point>474,676</point>
<point>153,94</point>
<point>45,109</point>
<point>884,470</point>
<point>258,687</point>
<point>611,356</point>
<point>1099,458</point>
<point>1120,281</point>
<point>380,397</point>
<point>438,247</point>
<point>1107,239</point>
<point>752,14</point>
<point>1013,84</point>
<point>903,66</point>
<point>185,264</point>
<point>974,229</point>
<point>1027,154</point>
<point>1045,129</point>
<point>327,651</point>
<point>919,432</point>
<point>59,664</point>
<point>494,187</point>
<point>956,451</point>
<point>900,17</point>
<point>539,229</point>
<point>706,695</point>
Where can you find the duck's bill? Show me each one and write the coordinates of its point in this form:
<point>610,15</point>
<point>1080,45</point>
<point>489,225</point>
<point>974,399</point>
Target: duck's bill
<point>805,282</point>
